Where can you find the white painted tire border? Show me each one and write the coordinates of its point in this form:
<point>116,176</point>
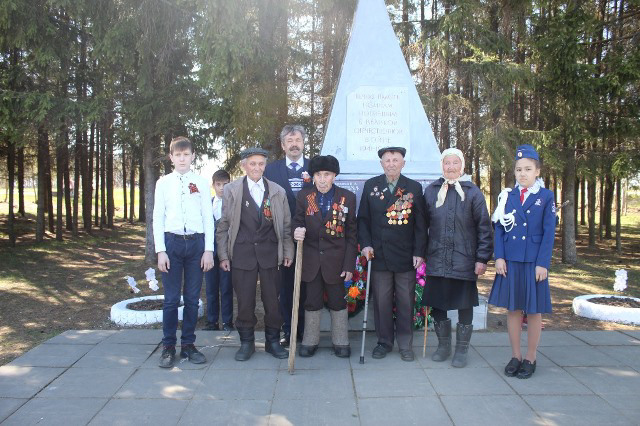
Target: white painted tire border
<point>584,308</point>
<point>121,315</point>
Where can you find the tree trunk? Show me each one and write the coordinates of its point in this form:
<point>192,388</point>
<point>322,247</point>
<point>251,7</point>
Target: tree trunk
<point>583,201</point>
<point>67,186</point>
<point>602,209</point>
<point>76,182</point>
<point>97,204</point>
<point>142,214</point>
<point>87,179</point>
<point>103,174</point>
<point>575,209</point>
<point>569,252</point>
<point>608,201</point>
<point>495,186</point>
<point>132,185</point>
<point>591,210</point>
<point>59,185</point>
<point>49,189</point>
<point>618,216</point>
<point>149,152</point>
<point>43,146</point>
<point>21,211</point>
<point>11,169</point>
<point>124,182</point>
<point>110,179</point>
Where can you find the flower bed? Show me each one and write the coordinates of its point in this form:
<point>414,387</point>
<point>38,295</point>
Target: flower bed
<point>585,307</point>
<point>124,316</point>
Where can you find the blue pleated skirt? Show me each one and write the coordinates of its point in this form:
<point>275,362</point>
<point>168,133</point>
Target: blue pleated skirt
<point>519,291</point>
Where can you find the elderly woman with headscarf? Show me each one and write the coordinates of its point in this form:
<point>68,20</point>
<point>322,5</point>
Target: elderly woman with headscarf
<point>459,246</point>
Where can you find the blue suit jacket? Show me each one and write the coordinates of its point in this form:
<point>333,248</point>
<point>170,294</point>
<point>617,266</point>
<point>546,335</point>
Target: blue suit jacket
<point>532,236</point>
<point>276,171</point>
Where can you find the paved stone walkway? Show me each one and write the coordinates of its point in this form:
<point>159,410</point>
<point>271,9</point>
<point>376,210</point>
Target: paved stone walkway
<point>111,377</point>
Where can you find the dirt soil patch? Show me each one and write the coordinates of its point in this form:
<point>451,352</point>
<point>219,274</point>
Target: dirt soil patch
<point>147,305</point>
<point>626,302</point>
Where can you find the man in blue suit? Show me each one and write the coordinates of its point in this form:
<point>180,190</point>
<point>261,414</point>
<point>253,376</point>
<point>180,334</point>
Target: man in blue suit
<point>291,174</point>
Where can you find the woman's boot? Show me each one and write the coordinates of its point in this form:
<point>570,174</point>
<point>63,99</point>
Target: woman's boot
<point>443,331</point>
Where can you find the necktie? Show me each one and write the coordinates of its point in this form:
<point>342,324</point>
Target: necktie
<point>522,191</point>
<point>294,166</point>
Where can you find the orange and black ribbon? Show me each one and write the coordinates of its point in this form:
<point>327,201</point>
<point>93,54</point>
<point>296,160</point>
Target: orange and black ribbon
<point>312,206</point>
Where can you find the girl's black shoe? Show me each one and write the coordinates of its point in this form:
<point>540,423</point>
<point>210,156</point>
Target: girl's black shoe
<point>512,368</point>
<point>526,369</point>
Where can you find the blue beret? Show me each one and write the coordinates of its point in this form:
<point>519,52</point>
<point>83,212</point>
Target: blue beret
<point>526,151</point>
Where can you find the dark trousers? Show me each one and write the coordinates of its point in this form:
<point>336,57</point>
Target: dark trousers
<point>391,289</point>
<point>286,299</point>
<point>184,258</point>
<point>315,294</point>
<point>219,294</point>
<point>244,284</point>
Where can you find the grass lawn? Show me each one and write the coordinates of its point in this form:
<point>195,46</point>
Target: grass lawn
<point>55,286</point>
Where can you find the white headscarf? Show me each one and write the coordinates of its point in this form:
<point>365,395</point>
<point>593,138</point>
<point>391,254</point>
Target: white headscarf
<point>442,194</point>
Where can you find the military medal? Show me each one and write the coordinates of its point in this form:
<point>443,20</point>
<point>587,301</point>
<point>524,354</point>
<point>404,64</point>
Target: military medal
<point>398,213</point>
<point>335,225</point>
<point>266,209</point>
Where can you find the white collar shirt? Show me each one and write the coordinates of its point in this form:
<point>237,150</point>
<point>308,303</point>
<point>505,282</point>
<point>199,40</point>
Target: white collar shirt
<point>299,162</point>
<point>217,207</point>
<point>182,206</point>
<point>534,189</point>
<point>256,189</point>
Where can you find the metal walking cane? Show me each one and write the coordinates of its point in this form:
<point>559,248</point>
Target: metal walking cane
<point>296,303</point>
<point>366,309</point>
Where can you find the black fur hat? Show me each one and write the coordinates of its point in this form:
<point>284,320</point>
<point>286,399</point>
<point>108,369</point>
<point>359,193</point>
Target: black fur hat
<point>321,163</point>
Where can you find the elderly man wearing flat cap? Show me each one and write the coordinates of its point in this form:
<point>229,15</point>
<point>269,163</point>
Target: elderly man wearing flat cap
<point>325,221</point>
<point>392,231</point>
<point>254,238</point>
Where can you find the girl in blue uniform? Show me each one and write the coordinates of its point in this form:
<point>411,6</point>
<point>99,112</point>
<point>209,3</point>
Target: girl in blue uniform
<point>524,233</point>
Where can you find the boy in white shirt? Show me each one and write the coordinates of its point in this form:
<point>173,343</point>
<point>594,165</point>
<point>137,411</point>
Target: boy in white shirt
<point>183,231</point>
<point>218,282</point>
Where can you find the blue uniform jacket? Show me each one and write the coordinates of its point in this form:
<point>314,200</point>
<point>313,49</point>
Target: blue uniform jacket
<point>276,171</point>
<point>532,236</point>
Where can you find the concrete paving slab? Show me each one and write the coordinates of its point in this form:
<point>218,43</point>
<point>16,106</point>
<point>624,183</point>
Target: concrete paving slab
<point>424,410</point>
<point>603,380</point>
<point>628,355</point>
<point>25,382</point>
<point>108,355</point>
<point>137,412</point>
<point>87,383</point>
<point>602,338</point>
<point>9,405</point>
<point>217,338</point>
<point>547,381</point>
<point>313,384</point>
<point>418,339</point>
<point>587,356</point>
<point>391,383</point>
<point>225,360</point>
<point>326,411</point>
<point>489,410</point>
<point>136,337</point>
<point>555,338</point>
<point>468,381</point>
<point>474,360</point>
<point>63,412</point>
<point>82,337</point>
<point>579,410</point>
<point>245,384</point>
<point>391,361</point>
<point>498,357</point>
<point>487,339</point>
<point>182,363</point>
<point>52,356</point>
<point>626,404</point>
<point>633,333</point>
<point>161,383</point>
<point>210,412</point>
<point>324,359</point>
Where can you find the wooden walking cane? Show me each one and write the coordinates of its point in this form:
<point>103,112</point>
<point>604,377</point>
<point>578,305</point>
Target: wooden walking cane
<point>296,303</point>
<point>366,309</point>
<point>426,326</point>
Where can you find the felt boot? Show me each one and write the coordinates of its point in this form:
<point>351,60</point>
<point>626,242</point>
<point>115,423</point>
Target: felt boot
<point>247,344</point>
<point>311,336</point>
<point>340,333</point>
<point>443,331</point>
<point>463,336</point>
<point>272,343</point>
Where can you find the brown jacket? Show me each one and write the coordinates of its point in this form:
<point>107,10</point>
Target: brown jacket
<point>323,251</point>
<point>227,229</point>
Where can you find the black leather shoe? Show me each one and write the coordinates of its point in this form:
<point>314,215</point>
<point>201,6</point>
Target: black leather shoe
<point>168,357</point>
<point>380,351</point>
<point>193,354</point>
<point>512,368</point>
<point>285,339</point>
<point>228,326</point>
<point>406,355</point>
<point>212,326</point>
<point>307,351</point>
<point>526,369</point>
<point>342,351</point>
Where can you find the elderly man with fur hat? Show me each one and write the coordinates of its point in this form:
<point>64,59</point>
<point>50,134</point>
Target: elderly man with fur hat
<point>325,220</point>
<point>391,229</point>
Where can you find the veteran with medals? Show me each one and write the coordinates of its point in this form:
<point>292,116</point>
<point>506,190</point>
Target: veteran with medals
<point>325,221</point>
<point>254,239</point>
<point>392,230</point>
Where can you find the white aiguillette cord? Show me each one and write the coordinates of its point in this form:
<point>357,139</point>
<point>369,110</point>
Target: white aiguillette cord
<point>499,215</point>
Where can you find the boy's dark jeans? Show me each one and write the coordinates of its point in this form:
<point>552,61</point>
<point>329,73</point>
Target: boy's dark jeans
<point>184,257</point>
<point>219,294</point>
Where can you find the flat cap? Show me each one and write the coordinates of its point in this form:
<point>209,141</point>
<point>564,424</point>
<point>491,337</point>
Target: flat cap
<point>253,151</point>
<point>399,149</point>
<point>321,163</point>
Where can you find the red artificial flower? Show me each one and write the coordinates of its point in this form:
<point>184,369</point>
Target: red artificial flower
<point>193,188</point>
